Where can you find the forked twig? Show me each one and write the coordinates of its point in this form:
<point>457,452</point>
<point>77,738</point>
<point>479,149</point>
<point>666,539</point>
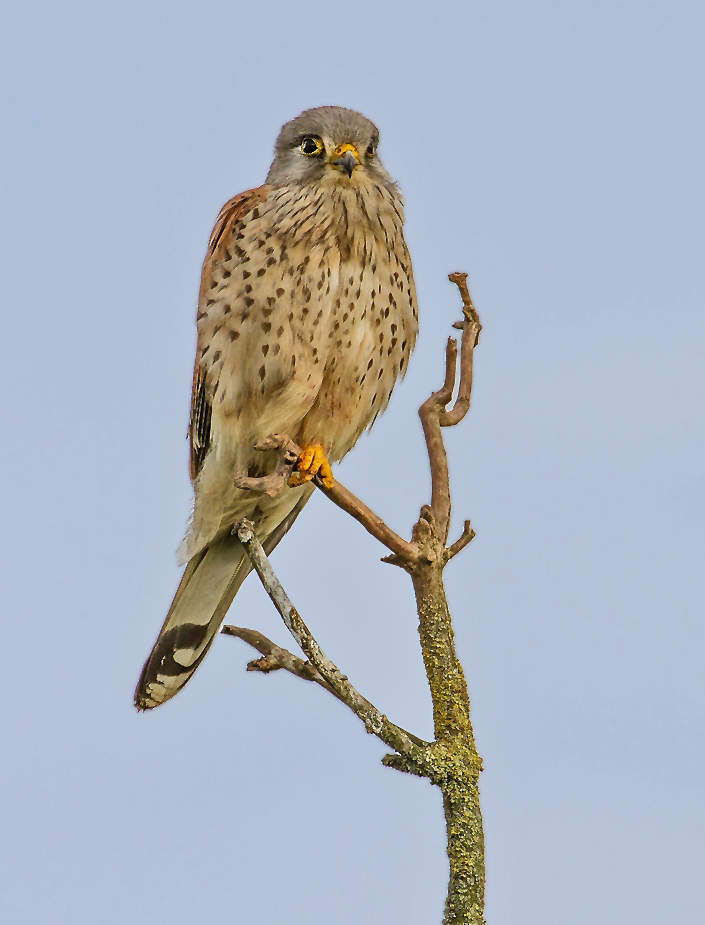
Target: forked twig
<point>433,412</point>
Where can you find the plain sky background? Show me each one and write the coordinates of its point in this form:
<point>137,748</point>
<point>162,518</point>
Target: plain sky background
<point>555,152</point>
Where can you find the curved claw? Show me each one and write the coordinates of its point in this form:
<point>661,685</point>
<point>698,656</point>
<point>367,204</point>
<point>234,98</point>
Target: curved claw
<point>311,463</point>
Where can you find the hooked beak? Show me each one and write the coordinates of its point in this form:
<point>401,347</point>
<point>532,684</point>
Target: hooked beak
<point>346,158</point>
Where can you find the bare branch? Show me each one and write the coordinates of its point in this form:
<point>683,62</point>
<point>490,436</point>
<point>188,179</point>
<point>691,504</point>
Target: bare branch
<point>274,657</point>
<point>465,537</point>
<point>288,453</point>
<point>375,722</point>
<point>374,524</point>
<point>433,414</point>
<point>446,393</point>
<point>430,413</point>
<point>471,327</point>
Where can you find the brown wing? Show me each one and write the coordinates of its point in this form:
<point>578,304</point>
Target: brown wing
<point>200,419</point>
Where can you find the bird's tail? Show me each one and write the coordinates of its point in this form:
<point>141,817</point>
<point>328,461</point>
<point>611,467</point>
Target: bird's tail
<point>209,584</point>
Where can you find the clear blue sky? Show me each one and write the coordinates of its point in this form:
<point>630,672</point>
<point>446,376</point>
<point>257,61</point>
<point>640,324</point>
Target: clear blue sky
<point>555,152</point>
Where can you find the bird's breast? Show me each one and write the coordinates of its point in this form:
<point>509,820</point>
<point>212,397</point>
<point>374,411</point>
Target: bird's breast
<point>300,334</point>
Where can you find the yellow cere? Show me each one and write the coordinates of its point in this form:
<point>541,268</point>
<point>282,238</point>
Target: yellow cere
<point>341,149</point>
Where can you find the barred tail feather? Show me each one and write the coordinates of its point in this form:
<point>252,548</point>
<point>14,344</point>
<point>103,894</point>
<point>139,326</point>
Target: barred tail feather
<point>209,584</point>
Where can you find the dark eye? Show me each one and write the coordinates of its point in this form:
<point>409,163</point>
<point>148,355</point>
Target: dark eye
<point>370,149</point>
<point>311,146</point>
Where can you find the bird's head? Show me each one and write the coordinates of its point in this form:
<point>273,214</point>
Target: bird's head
<point>328,144</point>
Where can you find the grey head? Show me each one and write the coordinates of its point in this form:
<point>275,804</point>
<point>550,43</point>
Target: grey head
<point>328,143</point>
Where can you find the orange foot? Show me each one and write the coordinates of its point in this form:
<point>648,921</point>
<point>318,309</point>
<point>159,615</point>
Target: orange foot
<point>311,463</point>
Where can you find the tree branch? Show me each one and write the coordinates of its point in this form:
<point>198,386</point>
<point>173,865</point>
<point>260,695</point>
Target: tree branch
<point>471,327</point>
<point>372,522</point>
<point>430,414</point>
<point>274,657</point>
<point>375,721</point>
<point>287,454</point>
<point>465,537</point>
<point>433,414</point>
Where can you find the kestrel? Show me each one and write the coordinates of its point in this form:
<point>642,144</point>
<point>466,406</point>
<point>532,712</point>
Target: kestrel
<point>306,318</point>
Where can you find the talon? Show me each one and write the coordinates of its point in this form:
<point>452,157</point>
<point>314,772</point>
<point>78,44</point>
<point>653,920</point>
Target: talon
<point>311,463</point>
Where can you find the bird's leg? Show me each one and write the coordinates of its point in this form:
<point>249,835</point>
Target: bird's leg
<point>312,462</point>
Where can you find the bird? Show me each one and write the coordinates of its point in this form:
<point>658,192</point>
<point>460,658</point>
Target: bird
<point>307,316</point>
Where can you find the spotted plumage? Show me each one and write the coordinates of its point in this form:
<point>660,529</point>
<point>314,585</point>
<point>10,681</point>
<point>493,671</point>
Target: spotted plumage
<point>306,318</point>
